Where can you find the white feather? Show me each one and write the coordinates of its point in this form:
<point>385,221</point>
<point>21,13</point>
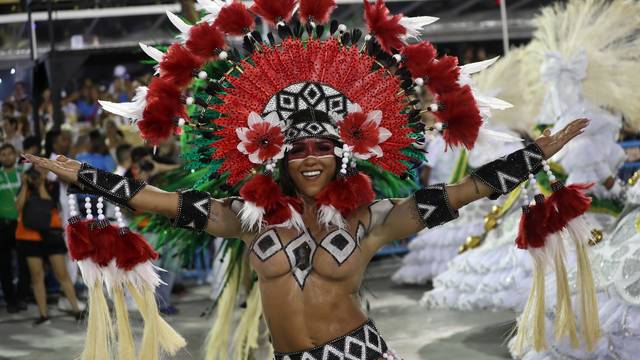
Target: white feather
<point>211,7</point>
<point>491,102</point>
<point>152,52</point>
<point>131,110</point>
<point>90,271</point>
<point>467,70</point>
<point>414,25</point>
<point>182,26</point>
<point>251,216</point>
<point>329,215</point>
<point>145,275</point>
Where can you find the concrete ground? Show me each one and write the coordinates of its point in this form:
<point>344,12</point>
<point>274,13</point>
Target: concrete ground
<point>412,331</point>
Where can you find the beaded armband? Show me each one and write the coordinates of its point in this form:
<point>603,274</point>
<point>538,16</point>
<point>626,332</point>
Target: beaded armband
<point>193,210</point>
<point>433,205</point>
<point>506,173</point>
<point>115,188</point>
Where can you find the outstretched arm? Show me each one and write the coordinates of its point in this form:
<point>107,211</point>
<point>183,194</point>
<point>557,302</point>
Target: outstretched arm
<point>437,204</point>
<point>188,209</point>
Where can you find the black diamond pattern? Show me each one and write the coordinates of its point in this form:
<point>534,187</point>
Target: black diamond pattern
<point>339,241</point>
<point>303,256</point>
<point>266,243</point>
<point>352,346</point>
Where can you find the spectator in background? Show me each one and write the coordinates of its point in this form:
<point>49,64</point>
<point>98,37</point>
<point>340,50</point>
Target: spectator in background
<point>8,110</point>
<point>39,195</point>
<point>114,136</point>
<point>20,93</point>
<point>57,142</point>
<point>10,182</point>
<point>87,104</point>
<point>45,112</point>
<point>12,129</point>
<point>98,155</point>
<point>123,158</point>
<point>69,108</point>
<point>31,145</point>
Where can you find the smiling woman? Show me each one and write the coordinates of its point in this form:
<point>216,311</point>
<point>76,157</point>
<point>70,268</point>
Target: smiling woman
<point>304,103</point>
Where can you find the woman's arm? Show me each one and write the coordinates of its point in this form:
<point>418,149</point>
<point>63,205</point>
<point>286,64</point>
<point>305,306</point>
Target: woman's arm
<point>22,195</point>
<point>189,209</point>
<point>437,204</point>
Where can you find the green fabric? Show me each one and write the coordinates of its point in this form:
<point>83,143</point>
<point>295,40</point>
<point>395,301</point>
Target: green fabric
<point>9,186</point>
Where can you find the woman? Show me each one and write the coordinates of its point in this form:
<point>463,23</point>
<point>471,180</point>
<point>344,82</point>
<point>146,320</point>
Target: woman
<point>308,300</point>
<point>36,245</point>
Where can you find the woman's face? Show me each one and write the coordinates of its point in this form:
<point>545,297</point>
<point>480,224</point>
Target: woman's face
<point>311,165</point>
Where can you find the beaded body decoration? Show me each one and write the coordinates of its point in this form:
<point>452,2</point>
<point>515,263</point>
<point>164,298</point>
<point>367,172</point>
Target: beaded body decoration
<point>309,77</point>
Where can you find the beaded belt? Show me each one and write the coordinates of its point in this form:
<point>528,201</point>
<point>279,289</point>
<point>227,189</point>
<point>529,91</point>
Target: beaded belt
<point>364,343</point>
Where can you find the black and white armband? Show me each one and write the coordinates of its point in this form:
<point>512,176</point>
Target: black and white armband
<point>506,173</point>
<point>114,188</point>
<point>433,205</point>
<point>193,210</point>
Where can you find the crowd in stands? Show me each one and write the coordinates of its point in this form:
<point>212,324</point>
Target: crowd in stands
<point>33,203</point>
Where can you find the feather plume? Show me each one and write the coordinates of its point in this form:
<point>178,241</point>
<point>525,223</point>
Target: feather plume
<point>461,117</point>
<point>159,120</point>
<point>182,26</point>
<point>607,31</point>
<point>211,8</point>
<point>347,194</point>
<point>419,58</point>
<point>130,110</point>
<point>414,25</point>
<point>443,75</point>
<point>384,26</point>
<point>204,39</point>
<point>235,19</point>
<point>152,52</point>
<point>318,10</point>
<point>178,64</point>
<point>274,11</point>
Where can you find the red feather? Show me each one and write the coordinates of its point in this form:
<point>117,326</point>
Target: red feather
<point>235,19</point>
<point>178,64</point>
<point>159,120</point>
<point>443,74</point>
<point>79,240</point>
<point>130,249</point>
<point>318,10</point>
<point>419,58</point>
<point>348,193</point>
<point>161,89</point>
<point>571,201</point>
<point>163,107</point>
<point>461,117</point>
<point>263,191</point>
<point>274,11</point>
<point>384,26</point>
<point>204,39</point>
<point>535,227</point>
<point>521,238</point>
<point>104,239</point>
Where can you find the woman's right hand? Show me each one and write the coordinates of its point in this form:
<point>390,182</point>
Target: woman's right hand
<point>66,169</point>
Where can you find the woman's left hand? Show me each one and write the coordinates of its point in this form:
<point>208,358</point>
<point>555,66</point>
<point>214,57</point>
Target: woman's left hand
<point>551,144</point>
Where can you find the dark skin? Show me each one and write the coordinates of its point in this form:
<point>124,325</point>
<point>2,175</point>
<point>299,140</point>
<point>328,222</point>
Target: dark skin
<point>327,306</point>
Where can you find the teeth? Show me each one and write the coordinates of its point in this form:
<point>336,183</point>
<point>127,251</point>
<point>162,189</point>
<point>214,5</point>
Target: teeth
<point>311,173</point>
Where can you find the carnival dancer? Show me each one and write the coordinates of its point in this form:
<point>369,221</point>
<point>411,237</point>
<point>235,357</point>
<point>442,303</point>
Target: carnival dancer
<point>305,111</point>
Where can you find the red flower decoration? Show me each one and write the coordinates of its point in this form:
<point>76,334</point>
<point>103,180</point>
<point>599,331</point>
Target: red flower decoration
<point>263,139</point>
<point>363,134</point>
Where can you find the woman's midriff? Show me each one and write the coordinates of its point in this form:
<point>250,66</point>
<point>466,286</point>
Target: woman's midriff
<point>301,320</point>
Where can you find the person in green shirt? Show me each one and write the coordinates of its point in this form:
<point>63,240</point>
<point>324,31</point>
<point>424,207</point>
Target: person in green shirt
<point>10,182</point>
